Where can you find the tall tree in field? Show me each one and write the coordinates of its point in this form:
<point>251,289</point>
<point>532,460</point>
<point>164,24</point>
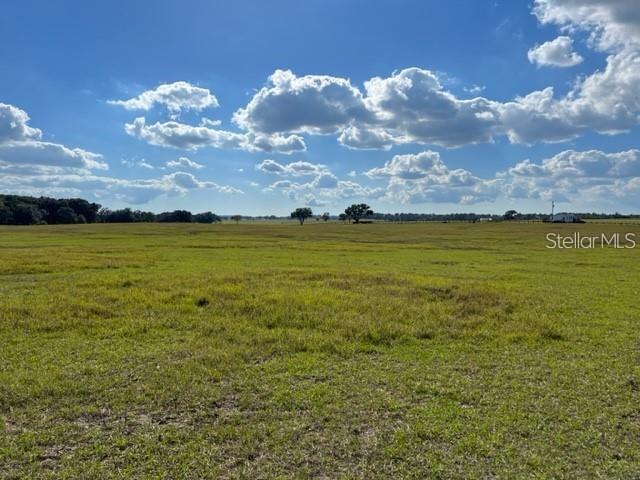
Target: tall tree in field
<point>510,214</point>
<point>302,214</point>
<point>236,218</point>
<point>326,216</point>
<point>358,211</point>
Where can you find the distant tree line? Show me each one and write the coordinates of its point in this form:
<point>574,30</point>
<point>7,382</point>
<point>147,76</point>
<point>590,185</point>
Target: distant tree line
<point>23,210</point>
<point>126,215</point>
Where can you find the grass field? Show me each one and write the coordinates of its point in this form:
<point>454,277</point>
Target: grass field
<point>323,351</point>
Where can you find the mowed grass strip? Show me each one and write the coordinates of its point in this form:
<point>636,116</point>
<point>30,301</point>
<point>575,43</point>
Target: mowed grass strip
<point>322,351</point>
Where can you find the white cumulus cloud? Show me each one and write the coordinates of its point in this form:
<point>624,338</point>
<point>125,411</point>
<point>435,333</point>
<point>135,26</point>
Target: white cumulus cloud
<point>30,166</point>
<point>179,135</point>
<point>184,162</point>
<point>317,104</point>
<point>555,53</point>
<point>20,144</point>
<point>176,97</point>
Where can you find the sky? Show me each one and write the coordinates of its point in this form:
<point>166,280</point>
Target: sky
<point>256,108</point>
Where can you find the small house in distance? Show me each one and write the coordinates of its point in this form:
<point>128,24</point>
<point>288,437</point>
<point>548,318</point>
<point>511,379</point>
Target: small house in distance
<point>566,218</point>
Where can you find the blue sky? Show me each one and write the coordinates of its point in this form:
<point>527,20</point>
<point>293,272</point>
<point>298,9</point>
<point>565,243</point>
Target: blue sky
<point>417,106</point>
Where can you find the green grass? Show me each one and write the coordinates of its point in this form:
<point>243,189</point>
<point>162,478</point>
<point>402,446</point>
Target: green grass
<point>322,351</point>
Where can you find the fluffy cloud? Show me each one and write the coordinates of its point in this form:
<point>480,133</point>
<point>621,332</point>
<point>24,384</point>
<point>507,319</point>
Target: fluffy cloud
<point>143,191</point>
<point>20,145</point>
<point>32,167</point>
<point>325,180</point>
<point>180,135</point>
<point>138,163</point>
<point>556,53</point>
<point>410,166</point>
<point>367,138</point>
<point>52,154</point>
<point>317,104</point>
<point>587,164</point>
<point>321,189</point>
<point>464,189</point>
<point>613,24</point>
<point>295,169</point>
<point>591,177</point>
<point>423,177</point>
<point>582,176</point>
<point>14,125</point>
<point>184,162</point>
<point>176,97</point>
<point>411,106</point>
<point>607,101</point>
<point>103,187</point>
<point>189,137</point>
<point>324,190</point>
<point>274,142</point>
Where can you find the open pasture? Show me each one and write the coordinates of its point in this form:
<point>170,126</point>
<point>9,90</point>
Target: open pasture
<point>321,351</point>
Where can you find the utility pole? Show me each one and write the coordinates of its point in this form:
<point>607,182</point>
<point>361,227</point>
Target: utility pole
<point>553,204</point>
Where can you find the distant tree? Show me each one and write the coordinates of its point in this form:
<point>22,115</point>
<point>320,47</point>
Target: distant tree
<point>302,214</point>
<point>6,215</point>
<point>236,218</point>
<point>126,215</point>
<point>326,216</point>
<point>181,216</point>
<point>358,211</point>
<point>510,214</point>
<point>25,214</point>
<point>343,217</point>
<point>121,216</point>
<point>142,216</point>
<point>206,217</point>
<point>88,211</point>
<point>67,215</point>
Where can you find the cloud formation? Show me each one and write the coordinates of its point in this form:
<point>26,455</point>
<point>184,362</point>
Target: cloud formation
<point>134,192</point>
<point>179,135</point>
<point>411,106</point>
<point>176,97</point>
<point>317,104</point>
<point>423,177</point>
<point>410,166</point>
<point>586,177</point>
<point>589,177</point>
<point>184,162</point>
<point>295,169</point>
<point>613,24</point>
<point>320,186</point>
<point>14,125</point>
<point>33,167</point>
<point>555,53</point>
<point>53,154</point>
<point>20,144</point>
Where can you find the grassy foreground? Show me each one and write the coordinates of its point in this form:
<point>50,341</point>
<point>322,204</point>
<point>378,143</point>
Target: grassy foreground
<point>324,351</point>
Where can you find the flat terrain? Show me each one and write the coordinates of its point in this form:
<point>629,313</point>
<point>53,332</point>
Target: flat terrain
<point>323,351</point>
